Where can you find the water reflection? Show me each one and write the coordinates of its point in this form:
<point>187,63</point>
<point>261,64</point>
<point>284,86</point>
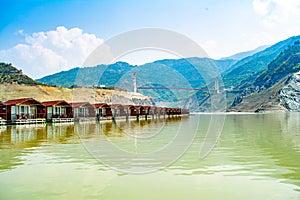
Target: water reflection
<point>265,145</point>
<point>20,140</point>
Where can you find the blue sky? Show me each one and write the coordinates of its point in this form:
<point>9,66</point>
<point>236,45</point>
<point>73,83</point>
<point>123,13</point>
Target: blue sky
<point>33,32</point>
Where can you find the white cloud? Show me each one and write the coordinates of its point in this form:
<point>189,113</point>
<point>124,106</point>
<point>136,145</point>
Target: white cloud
<point>261,7</point>
<point>52,51</point>
<point>279,19</point>
<point>276,13</point>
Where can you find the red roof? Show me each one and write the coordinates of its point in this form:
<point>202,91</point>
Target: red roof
<point>138,107</point>
<point>128,106</point>
<point>56,103</point>
<point>153,107</point>
<point>100,105</point>
<point>23,101</point>
<point>115,106</point>
<point>81,104</point>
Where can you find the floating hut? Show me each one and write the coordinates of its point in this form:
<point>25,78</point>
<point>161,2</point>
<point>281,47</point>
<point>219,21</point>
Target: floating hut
<point>102,111</point>
<point>29,110</point>
<point>25,110</point>
<point>130,110</point>
<point>2,113</point>
<point>58,111</point>
<point>82,110</point>
<point>118,111</point>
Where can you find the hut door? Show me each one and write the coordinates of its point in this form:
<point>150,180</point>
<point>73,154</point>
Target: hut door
<point>49,112</point>
<point>13,113</point>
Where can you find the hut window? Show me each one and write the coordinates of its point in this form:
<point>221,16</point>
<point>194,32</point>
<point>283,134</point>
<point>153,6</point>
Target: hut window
<point>13,110</point>
<point>32,109</point>
<point>57,110</point>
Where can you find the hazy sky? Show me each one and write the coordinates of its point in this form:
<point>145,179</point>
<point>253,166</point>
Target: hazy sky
<point>43,37</point>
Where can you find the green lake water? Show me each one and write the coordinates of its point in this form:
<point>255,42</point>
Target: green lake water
<point>255,156</point>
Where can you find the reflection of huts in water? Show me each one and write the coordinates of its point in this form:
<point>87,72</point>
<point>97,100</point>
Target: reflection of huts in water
<point>58,111</point>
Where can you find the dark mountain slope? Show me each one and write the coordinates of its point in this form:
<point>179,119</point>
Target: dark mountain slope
<point>191,68</point>
<point>242,55</point>
<point>10,74</point>
<point>266,89</point>
<point>250,67</point>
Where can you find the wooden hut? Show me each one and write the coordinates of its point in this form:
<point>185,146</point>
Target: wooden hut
<point>58,110</point>
<point>130,110</point>
<point>154,111</point>
<point>185,111</point>
<point>102,110</point>
<point>24,109</point>
<point>117,110</point>
<point>2,113</point>
<point>139,110</point>
<point>82,109</point>
<point>146,110</point>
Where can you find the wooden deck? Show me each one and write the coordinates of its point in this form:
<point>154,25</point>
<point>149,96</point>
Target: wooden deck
<point>86,119</point>
<point>3,122</point>
<point>62,120</point>
<point>29,121</point>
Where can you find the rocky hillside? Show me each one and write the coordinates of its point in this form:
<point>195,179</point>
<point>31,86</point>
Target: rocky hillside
<point>283,96</point>
<point>10,74</point>
<point>276,88</point>
<point>290,94</point>
<point>14,84</point>
<point>92,95</point>
<point>249,68</point>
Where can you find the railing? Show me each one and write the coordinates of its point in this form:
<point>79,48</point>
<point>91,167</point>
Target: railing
<point>27,116</point>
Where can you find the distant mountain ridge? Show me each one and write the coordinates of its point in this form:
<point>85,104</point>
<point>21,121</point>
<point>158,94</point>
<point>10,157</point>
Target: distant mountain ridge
<point>275,87</point>
<point>241,55</point>
<point>266,80</point>
<point>252,66</point>
<point>109,75</point>
<point>247,73</point>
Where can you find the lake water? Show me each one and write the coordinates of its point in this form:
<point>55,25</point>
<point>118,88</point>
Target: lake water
<point>250,156</point>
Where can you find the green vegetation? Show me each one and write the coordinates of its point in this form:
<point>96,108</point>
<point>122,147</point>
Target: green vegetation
<point>286,63</point>
<point>254,75</point>
<point>249,68</point>
<point>263,88</point>
<point>169,73</point>
<point>107,75</point>
<point>10,74</point>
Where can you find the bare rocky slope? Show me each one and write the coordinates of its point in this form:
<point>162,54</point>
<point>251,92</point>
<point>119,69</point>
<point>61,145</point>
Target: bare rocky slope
<point>14,84</point>
<point>283,96</point>
<point>92,95</point>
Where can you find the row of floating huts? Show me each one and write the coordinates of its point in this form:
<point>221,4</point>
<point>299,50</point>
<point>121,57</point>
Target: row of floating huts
<point>29,110</point>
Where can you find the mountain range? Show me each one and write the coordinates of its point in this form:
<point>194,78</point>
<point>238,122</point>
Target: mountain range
<point>259,80</point>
